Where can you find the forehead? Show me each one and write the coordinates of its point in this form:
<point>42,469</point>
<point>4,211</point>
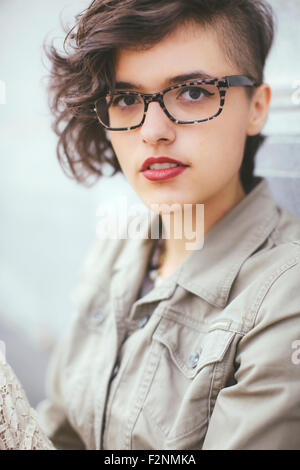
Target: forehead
<point>189,48</point>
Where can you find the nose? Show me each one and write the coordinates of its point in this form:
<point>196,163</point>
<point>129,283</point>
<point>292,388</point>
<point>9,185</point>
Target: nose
<point>157,126</point>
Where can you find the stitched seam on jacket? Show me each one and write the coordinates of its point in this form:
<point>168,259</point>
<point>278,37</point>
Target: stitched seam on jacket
<point>209,407</point>
<point>261,234</point>
<point>266,287</point>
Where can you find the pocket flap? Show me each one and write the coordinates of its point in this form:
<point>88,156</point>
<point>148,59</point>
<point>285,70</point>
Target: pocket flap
<point>192,349</point>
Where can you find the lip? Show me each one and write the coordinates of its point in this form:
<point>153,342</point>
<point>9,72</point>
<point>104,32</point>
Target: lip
<point>165,174</point>
<point>151,160</point>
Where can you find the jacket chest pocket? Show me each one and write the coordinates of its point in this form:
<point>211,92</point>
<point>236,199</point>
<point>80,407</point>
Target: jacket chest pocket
<point>177,403</point>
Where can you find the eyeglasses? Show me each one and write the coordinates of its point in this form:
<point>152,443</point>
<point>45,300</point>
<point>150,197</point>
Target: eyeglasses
<point>187,103</point>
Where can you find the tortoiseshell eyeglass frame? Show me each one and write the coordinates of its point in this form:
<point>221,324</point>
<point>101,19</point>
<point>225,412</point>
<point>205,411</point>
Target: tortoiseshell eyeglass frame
<point>222,84</point>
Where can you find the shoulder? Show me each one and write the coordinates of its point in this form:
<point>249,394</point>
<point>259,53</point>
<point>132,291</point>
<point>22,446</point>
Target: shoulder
<point>274,291</point>
<point>268,285</point>
<point>287,229</point>
<point>281,257</point>
<point>279,249</point>
<point>278,296</point>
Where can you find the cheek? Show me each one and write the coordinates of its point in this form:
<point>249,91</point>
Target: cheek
<point>229,147</point>
<point>215,150</point>
<point>226,138</point>
<point>216,146</point>
<point>232,132</point>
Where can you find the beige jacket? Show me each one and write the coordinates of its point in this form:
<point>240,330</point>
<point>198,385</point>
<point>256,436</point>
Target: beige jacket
<point>209,359</point>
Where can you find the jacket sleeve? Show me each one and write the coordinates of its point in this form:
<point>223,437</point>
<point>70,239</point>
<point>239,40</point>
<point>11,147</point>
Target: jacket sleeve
<point>261,410</point>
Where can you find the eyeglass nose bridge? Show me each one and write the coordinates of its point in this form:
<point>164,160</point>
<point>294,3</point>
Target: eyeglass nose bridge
<point>156,97</point>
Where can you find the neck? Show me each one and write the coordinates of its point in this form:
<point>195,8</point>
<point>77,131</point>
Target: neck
<point>190,226</point>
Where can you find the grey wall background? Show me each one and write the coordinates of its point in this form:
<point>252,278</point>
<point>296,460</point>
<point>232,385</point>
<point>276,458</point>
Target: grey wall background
<point>279,159</point>
<point>47,220</point>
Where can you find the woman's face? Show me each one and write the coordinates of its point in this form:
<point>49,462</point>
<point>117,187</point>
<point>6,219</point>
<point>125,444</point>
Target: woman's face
<point>213,150</point>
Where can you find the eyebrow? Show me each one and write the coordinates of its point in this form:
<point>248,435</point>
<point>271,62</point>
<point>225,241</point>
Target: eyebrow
<point>199,75</point>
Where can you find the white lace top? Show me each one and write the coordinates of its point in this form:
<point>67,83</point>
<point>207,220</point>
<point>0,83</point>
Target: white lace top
<point>19,428</point>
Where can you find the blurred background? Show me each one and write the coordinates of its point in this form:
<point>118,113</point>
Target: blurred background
<point>48,221</point>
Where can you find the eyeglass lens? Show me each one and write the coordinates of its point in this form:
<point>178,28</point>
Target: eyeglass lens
<point>186,103</point>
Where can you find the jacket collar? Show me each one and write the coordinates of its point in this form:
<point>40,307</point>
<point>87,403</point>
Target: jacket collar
<point>211,271</point>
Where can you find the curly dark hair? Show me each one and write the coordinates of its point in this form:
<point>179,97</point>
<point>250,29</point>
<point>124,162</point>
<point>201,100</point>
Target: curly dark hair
<point>85,68</point>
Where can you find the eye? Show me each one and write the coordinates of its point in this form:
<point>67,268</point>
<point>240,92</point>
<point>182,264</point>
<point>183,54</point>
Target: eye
<point>125,101</point>
<point>194,93</point>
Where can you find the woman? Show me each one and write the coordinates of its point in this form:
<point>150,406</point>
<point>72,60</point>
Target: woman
<point>174,348</point>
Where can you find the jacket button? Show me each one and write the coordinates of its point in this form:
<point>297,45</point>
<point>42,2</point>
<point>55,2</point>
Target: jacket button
<point>116,370</point>
<point>143,321</point>
<point>97,315</point>
<point>194,359</point>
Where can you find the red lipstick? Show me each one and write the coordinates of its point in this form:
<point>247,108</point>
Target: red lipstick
<point>162,174</point>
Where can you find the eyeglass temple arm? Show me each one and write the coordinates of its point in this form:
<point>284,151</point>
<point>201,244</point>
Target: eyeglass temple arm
<point>240,80</point>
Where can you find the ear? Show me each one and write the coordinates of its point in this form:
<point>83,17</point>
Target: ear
<point>260,103</point>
